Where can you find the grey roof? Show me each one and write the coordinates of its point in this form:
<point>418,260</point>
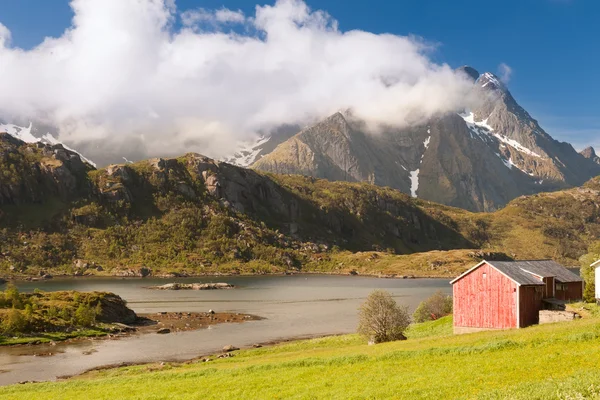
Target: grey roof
<point>520,271</point>
<point>513,270</point>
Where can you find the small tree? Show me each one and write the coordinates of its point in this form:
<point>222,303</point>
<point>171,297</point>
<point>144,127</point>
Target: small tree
<point>12,297</point>
<point>381,319</point>
<point>14,322</point>
<point>436,306</point>
<point>85,315</point>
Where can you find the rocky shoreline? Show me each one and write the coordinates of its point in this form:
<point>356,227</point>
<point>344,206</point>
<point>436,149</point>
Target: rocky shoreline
<point>156,323</point>
<point>192,286</point>
<point>219,274</point>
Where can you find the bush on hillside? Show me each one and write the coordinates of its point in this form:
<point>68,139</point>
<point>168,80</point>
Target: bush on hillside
<point>437,306</point>
<point>381,319</point>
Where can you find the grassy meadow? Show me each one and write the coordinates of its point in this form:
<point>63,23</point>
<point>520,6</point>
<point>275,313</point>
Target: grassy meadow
<point>555,361</point>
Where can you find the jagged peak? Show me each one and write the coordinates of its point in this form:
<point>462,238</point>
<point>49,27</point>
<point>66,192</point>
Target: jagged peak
<point>490,81</point>
<point>469,71</point>
<point>588,152</point>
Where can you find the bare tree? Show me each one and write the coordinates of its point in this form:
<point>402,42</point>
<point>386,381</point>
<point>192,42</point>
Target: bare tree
<point>381,319</point>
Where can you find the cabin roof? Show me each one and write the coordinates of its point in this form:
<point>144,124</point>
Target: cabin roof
<point>541,268</point>
<point>525,272</point>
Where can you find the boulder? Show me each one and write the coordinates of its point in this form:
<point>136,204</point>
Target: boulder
<point>229,348</point>
<point>163,331</point>
<point>144,272</point>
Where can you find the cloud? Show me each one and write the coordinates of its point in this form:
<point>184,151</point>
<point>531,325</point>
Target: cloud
<point>5,36</point>
<point>192,18</point>
<point>505,72</point>
<point>127,74</point>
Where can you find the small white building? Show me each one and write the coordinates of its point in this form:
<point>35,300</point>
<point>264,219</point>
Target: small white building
<point>596,265</point>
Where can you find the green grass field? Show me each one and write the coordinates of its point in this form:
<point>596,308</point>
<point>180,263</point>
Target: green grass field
<point>556,361</point>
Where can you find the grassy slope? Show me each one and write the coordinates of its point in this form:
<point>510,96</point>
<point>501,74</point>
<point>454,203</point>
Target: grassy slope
<point>543,362</point>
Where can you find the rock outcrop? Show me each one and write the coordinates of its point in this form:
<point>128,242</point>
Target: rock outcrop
<point>590,154</point>
<point>31,173</point>
<point>193,286</point>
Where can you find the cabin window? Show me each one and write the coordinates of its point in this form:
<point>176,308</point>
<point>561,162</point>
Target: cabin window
<point>484,275</point>
<point>561,286</point>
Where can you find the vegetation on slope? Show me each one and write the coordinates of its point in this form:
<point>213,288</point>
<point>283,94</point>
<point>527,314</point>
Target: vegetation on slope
<point>554,361</point>
<point>193,215</point>
<point>43,317</point>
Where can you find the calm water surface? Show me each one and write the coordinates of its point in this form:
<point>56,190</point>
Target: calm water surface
<point>294,306</point>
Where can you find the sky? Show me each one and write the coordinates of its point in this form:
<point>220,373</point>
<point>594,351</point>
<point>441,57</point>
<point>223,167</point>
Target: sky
<point>547,50</point>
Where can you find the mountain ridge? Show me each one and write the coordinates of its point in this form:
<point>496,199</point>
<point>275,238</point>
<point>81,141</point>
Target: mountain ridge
<point>195,215</point>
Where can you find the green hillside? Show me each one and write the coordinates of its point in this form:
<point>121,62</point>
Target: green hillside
<point>194,215</point>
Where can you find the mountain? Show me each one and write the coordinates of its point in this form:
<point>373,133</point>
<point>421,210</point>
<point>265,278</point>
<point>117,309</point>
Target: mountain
<point>590,154</point>
<point>31,134</point>
<point>248,152</point>
<point>195,215</point>
<point>478,160</point>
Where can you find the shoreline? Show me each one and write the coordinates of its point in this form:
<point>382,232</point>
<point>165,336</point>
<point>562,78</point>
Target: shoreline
<point>145,324</point>
<point>195,359</point>
<point>25,278</point>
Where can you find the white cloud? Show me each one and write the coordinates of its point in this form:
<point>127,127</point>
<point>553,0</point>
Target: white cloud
<point>4,36</point>
<point>505,72</point>
<point>122,71</point>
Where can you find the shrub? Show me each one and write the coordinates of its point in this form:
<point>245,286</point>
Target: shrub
<point>381,319</point>
<point>14,322</point>
<point>12,298</point>
<point>85,315</point>
<point>436,306</point>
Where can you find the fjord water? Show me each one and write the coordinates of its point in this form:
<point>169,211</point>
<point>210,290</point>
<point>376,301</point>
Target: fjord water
<point>293,307</point>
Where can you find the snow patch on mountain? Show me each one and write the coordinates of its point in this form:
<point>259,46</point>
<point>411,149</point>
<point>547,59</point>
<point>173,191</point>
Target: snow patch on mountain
<point>414,175</point>
<point>414,182</point>
<point>19,132</point>
<point>247,152</point>
<point>24,134</point>
<point>480,128</point>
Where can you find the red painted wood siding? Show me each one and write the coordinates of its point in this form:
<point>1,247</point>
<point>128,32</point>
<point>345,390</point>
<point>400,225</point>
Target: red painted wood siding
<point>485,302</point>
<point>574,292</point>
<point>530,304</point>
<point>549,290</point>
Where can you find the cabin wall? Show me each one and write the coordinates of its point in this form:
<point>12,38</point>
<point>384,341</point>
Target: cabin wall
<point>550,286</point>
<point>485,299</point>
<point>530,304</point>
<point>574,292</point>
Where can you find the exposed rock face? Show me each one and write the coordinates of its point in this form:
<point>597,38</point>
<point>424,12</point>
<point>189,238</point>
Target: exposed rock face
<point>34,172</point>
<point>590,154</point>
<point>114,309</point>
<point>470,72</point>
<point>193,286</point>
<point>478,160</point>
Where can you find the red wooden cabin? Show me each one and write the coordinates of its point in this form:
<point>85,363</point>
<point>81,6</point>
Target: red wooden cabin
<point>509,294</point>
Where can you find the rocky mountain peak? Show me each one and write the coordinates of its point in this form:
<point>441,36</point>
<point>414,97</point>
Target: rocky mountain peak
<point>469,71</point>
<point>588,152</point>
<point>489,81</point>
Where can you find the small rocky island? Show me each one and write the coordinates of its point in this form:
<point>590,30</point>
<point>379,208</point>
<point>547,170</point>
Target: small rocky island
<point>42,317</point>
<point>193,286</point>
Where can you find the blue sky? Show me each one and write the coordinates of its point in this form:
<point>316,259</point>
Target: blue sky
<point>552,46</point>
